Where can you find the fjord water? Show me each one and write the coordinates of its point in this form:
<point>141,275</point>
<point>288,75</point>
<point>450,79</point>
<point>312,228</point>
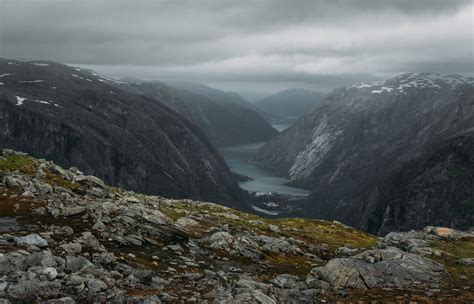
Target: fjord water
<point>239,159</point>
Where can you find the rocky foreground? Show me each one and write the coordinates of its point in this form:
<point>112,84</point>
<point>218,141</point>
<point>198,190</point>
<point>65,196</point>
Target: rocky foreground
<point>69,238</point>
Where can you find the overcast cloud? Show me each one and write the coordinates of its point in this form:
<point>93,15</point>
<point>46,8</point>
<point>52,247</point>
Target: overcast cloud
<point>253,47</point>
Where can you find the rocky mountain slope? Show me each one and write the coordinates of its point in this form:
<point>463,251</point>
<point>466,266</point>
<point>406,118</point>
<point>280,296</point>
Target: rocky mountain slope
<point>226,118</point>
<point>291,103</point>
<point>390,155</point>
<point>66,237</point>
<point>79,118</point>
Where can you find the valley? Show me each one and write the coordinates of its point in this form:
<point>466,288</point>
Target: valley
<point>236,152</point>
<point>240,159</point>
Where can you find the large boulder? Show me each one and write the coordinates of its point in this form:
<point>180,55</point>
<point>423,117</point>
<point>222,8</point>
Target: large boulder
<point>389,267</point>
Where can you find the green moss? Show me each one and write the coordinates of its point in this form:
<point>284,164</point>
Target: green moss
<point>456,250</point>
<point>56,180</point>
<point>333,234</point>
<point>283,264</point>
<point>21,163</point>
<point>173,213</point>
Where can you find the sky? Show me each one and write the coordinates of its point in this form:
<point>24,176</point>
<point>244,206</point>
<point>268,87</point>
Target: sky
<point>253,47</point>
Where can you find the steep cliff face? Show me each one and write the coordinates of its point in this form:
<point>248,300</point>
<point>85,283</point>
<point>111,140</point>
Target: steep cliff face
<point>79,118</point>
<point>361,153</point>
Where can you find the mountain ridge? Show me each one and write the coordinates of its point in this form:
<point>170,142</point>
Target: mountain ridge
<point>80,118</point>
<point>337,150</point>
<point>290,103</point>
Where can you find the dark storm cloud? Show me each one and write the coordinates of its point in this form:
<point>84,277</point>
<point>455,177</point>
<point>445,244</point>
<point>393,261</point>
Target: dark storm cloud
<point>325,43</point>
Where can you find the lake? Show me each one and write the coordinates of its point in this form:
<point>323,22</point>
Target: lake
<point>239,158</point>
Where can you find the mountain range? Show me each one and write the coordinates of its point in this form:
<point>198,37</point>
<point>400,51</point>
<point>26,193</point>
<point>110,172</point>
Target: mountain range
<point>389,155</point>
<point>79,118</point>
<point>290,103</point>
<point>374,155</point>
<point>226,118</point>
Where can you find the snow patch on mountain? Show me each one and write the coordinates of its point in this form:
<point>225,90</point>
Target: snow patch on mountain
<point>388,89</point>
<point>20,101</point>
<point>31,81</point>
<point>414,81</point>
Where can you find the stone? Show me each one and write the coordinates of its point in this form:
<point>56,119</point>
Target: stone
<point>389,267</point>
<point>220,240</point>
<point>50,272</point>
<point>64,300</point>
<point>347,251</point>
<point>71,248</point>
<point>317,284</point>
<point>447,233</point>
<point>250,296</point>
<point>45,259</point>
<point>186,222</point>
<point>76,263</point>
<point>466,261</point>
<point>89,180</point>
<point>90,241</point>
<point>31,240</point>
<point>28,194</point>
<point>71,211</point>
<point>286,281</point>
<point>96,285</point>
<point>274,229</point>
<point>105,258</point>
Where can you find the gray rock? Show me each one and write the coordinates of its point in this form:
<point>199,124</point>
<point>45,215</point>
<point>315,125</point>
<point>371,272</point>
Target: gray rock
<point>317,284</point>
<point>71,248</point>
<point>31,240</point>
<point>71,211</point>
<point>274,229</point>
<point>77,263</point>
<point>389,267</point>
<point>277,245</point>
<point>249,296</point>
<point>105,258</point>
<point>447,233</point>
<point>45,259</point>
<point>466,262</point>
<point>28,291</point>
<point>347,251</point>
<point>89,180</point>
<point>95,285</point>
<point>287,281</point>
<point>220,240</point>
<point>50,273</point>
<point>64,300</point>
<point>186,222</point>
<point>90,241</point>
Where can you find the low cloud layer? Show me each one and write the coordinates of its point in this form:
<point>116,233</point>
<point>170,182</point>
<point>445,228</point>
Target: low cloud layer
<point>249,46</point>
